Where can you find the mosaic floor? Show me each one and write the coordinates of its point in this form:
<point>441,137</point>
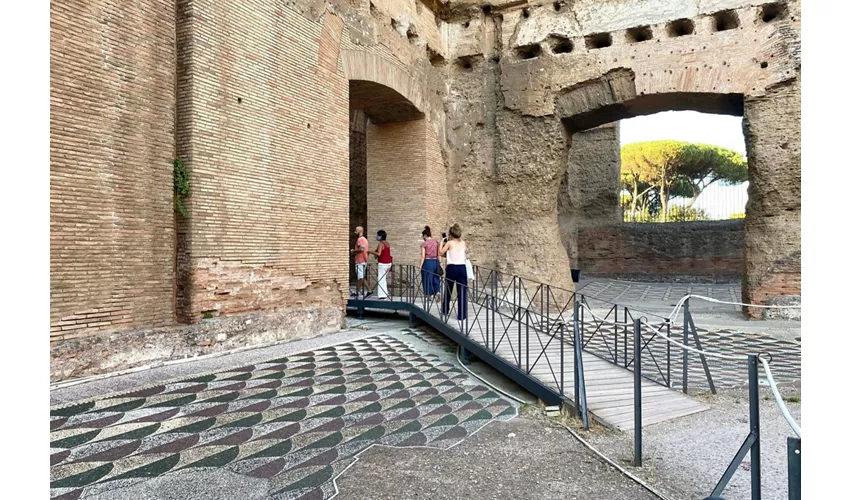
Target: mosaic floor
<point>623,292</point>
<point>297,421</point>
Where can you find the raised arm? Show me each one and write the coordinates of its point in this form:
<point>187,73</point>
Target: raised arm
<point>444,247</point>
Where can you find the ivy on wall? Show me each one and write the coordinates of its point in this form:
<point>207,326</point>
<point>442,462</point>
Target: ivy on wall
<point>181,186</point>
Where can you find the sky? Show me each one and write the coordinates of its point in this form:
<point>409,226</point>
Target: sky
<point>690,126</point>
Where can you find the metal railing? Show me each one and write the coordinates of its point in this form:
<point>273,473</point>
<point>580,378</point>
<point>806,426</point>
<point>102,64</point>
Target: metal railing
<point>531,325</point>
<point>527,324</point>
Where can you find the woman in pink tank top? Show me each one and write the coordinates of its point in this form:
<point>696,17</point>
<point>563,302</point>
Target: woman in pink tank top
<point>429,263</point>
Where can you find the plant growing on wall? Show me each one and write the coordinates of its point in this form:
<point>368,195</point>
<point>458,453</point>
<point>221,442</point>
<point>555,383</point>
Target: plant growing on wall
<point>181,186</point>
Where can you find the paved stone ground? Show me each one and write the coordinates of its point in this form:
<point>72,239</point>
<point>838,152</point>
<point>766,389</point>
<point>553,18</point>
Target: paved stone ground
<point>284,425</point>
<point>527,458</point>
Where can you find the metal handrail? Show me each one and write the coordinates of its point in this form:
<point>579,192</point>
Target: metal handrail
<point>517,310</point>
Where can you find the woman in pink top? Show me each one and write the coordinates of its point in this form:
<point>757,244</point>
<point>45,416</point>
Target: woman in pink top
<point>429,263</point>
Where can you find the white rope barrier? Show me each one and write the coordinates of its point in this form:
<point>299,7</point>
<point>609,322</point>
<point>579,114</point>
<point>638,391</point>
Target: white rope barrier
<point>739,357</point>
<point>742,304</point>
<point>778,397</point>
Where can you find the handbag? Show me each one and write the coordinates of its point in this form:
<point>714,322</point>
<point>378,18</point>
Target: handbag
<point>470,273</point>
<point>440,271</point>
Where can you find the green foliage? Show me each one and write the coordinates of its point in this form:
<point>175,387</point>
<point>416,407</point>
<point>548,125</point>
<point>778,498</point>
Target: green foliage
<point>738,215</point>
<point>181,186</point>
<point>208,315</point>
<point>653,172</point>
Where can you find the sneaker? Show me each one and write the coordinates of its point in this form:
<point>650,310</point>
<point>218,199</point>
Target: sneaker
<point>368,294</point>
<point>353,294</point>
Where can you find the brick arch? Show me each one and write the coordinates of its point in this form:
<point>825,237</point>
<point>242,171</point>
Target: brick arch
<point>363,66</point>
<point>617,95</point>
<point>771,131</point>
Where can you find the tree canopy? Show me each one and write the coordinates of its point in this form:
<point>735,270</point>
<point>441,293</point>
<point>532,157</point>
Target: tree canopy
<point>652,172</point>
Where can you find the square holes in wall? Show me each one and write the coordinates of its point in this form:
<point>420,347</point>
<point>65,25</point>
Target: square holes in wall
<point>725,20</point>
<point>772,12</point>
<point>560,44</point>
<point>598,41</point>
<point>638,34</point>
<point>680,27</point>
<point>464,63</point>
<point>528,51</point>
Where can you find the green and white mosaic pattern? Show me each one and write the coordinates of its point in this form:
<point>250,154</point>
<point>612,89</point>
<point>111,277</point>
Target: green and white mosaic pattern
<point>297,421</point>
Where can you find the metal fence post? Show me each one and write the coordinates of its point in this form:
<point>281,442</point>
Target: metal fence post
<point>685,351</point>
<point>755,450</point>
<point>638,396</point>
<point>575,356</point>
<point>561,333</point>
<point>794,468</point>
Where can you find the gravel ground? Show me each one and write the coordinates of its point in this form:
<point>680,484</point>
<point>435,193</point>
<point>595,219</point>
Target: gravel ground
<point>527,457</point>
<point>684,458</point>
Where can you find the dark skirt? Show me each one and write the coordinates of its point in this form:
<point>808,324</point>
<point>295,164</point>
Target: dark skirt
<point>430,279</point>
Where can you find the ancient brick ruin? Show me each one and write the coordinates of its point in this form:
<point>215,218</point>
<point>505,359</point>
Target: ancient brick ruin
<point>300,119</point>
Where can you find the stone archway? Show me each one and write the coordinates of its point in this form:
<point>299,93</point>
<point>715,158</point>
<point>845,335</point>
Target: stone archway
<point>405,179</point>
<point>771,129</point>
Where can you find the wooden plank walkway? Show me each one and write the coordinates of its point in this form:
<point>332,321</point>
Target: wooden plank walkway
<point>609,388</point>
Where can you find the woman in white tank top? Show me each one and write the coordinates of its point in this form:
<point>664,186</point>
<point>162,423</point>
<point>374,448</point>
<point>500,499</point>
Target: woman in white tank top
<point>455,252</point>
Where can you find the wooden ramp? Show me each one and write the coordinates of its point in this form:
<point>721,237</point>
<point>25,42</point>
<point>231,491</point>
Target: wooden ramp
<point>609,388</point>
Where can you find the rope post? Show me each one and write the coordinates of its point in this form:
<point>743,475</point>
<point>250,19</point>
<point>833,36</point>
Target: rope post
<point>576,397</point>
<point>794,451</point>
<point>685,351</point>
<point>561,333</point>
<point>755,449</point>
<point>638,396</point>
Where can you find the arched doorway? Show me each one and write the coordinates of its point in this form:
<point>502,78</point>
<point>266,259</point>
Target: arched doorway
<point>396,173</point>
<point>771,131</point>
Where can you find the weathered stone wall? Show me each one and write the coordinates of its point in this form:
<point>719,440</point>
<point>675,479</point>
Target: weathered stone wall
<point>112,106</point>
<point>655,252</point>
<point>589,193</point>
<point>772,240</point>
<point>593,62</point>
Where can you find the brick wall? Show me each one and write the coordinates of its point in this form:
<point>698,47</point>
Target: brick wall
<point>263,125</point>
<point>357,203</point>
<point>649,251</point>
<point>112,66</point>
<point>397,185</point>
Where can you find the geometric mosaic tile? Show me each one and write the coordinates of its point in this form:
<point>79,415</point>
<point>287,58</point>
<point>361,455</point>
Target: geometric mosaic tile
<point>298,421</point>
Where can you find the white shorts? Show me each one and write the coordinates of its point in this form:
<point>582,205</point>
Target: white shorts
<point>361,270</point>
